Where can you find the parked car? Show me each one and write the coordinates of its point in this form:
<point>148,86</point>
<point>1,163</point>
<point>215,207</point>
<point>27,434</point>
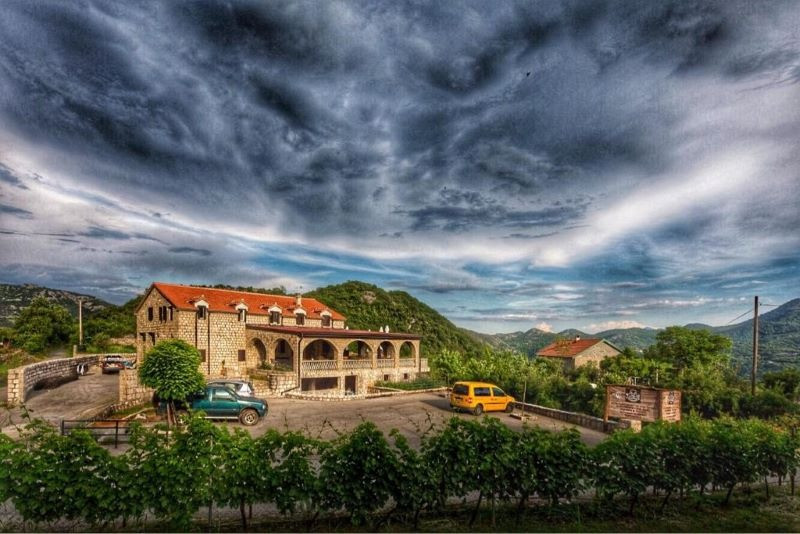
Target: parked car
<point>479,397</point>
<point>114,364</point>
<point>241,387</point>
<point>219,401</point>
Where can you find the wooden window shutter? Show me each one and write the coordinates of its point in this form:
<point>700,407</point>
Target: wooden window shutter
<point>242,355</point>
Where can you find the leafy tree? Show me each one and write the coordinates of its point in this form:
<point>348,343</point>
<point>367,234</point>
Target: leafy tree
<point>683,348</point>
<point>786,382</point>
<point>171,367</point>
<point>42,325</point>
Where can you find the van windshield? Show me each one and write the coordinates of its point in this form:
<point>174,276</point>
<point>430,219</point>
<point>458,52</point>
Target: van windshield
<point>460,389</point>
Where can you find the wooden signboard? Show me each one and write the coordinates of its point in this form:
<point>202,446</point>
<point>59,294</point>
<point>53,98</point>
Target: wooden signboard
<point>642,403</point>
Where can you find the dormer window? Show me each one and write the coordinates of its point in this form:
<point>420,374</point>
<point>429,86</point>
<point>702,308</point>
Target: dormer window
<point>326,319</point>
<point>242,310</point>
<point>300,318</point>
<point>202,308</point>
<point>275,314</point>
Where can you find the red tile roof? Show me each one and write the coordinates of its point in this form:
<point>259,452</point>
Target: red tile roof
<point>566,348</point>
<point>329,332</point>
<point>225,300</point>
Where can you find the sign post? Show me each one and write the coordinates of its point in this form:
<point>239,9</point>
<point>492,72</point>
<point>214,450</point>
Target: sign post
<point>639,403</point>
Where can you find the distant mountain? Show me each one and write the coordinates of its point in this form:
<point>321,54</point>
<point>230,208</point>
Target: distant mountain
<point>779,338</point>
<point>14,298</point>
<point>367,306</point>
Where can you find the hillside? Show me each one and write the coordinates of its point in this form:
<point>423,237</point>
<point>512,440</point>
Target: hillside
<point>367,306</point>
<point>14,298</point>
<point>779,338</point>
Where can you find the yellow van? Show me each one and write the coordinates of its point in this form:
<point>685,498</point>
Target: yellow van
<point>479,397</point>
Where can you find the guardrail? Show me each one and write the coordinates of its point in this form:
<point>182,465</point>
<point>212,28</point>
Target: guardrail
<point>98,428</point>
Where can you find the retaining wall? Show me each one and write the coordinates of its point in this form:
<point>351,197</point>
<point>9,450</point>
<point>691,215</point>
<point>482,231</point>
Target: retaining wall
<point>580,419</point>
<point>131,392</point>
<point>22,380</point>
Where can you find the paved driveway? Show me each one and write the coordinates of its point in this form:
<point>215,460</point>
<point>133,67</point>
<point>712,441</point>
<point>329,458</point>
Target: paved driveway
<point>409,414</point>
<point>79,399</point>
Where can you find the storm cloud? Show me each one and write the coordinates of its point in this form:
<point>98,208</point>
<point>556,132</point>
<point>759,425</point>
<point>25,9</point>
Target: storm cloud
<point>640,152</point>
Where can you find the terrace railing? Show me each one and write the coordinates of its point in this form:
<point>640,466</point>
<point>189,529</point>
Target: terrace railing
<point>407,362</point>
<point>357,364</point>
<point>385,363</point>
<point>319,365</point>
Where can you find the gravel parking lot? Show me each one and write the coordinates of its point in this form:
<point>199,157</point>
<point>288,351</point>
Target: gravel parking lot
<point>410,414</point>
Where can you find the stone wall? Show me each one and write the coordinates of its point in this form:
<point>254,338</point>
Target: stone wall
<point>22,380</point>
<point>272,383</point>
<point>131,392</point>
<point>580,419</point>
<point>596,353</point>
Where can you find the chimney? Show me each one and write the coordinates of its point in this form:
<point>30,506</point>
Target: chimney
<point>577,338</point>
<point>299,300</point>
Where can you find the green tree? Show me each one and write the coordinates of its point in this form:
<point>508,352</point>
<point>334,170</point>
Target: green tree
<point>786,382</point>
<point>684,348</point>
<point>172,369</point>
<point>42,325</point>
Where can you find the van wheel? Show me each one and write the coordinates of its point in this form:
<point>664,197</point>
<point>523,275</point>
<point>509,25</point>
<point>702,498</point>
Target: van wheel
<point>478,409</point>
<point>248,417</point>
<point>509,407</point>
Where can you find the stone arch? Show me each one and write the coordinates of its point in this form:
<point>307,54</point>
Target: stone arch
<point>321,349</point>
<point>386,350</point>
<point>283,354</point>
<point>261,350</point>
<point>358,350</point>
<point>407,350</point>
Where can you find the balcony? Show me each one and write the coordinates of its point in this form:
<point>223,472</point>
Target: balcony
<point>385,363</point>
<point>407,362</point>
<point>319,365</point>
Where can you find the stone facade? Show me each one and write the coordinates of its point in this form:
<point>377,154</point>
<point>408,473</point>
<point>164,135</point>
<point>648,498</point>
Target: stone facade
<point>596,354</point>
<point>131,392</point>
<point>308,356</point>
<point>22,380</point>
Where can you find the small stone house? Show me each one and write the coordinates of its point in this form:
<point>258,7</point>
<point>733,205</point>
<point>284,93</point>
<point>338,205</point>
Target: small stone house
<point>305,345</point>
<point>573,353</point>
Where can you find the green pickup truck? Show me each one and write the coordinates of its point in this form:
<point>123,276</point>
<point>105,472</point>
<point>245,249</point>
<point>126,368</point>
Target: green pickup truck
<point>221,402</point>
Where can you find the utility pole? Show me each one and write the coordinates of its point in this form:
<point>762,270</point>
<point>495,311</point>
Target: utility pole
<point>755,348</point>
<point>80,322</point>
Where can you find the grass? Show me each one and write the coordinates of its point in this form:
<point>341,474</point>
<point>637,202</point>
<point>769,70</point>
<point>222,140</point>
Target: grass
<point>11,358</point>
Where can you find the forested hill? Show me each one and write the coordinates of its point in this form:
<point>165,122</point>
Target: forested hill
<point>13,298</point>
<point>367,306</point>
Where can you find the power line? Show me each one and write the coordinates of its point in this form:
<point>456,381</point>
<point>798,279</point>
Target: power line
<point>742,315</point>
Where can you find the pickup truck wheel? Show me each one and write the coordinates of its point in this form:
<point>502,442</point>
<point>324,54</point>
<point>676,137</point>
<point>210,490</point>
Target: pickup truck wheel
<point>248,417</point>
<point>478,409</point>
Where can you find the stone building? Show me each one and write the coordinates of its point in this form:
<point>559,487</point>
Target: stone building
<point>573,353</point>
<point>294,343</point>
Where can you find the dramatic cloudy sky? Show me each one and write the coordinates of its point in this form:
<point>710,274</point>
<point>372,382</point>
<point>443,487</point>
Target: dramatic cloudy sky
<point>575,164</point>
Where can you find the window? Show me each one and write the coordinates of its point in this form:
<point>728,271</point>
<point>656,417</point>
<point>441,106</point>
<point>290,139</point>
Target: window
<point>275,317</point>
<point>150,313</point>
<point>300,319</point>
<point>326,320</point>
<point>497,392</point>
<point>242,315</point>
<point>222,394</point>
<point>153,338</point>
<point>202,355</point>
<point>385,378</point>
<point>483,392</point>
<point>242,355</point>
<point>170,312</point>
<point>405,376</point>
<point>201,312</point>
<point>461,389</point>
<point>160,313</point>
